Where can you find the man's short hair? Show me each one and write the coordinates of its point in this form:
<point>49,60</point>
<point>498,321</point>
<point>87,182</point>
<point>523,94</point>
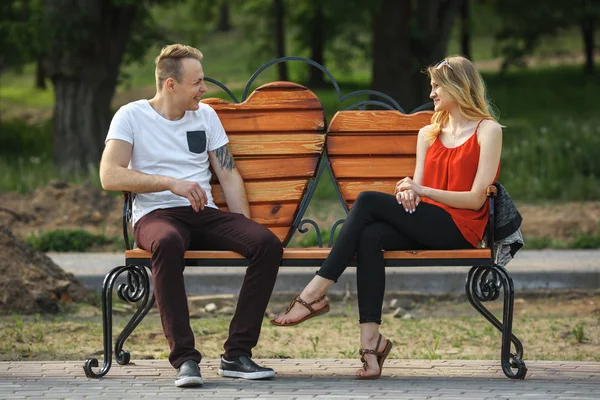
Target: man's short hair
<point>168,62</point>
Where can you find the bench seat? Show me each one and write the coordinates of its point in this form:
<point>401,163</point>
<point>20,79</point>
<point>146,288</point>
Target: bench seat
<point>316,255</point>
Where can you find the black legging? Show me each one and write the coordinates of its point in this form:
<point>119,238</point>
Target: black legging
<point>377,222</point>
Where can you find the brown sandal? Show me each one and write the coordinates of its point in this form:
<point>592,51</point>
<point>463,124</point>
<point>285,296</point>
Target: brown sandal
<point>381,356</point>
<point>313,312</point>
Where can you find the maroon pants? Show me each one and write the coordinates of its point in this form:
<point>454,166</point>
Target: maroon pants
<point>168,233</point>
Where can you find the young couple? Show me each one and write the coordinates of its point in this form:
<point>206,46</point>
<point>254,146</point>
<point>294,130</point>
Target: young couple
<point>161,150</point>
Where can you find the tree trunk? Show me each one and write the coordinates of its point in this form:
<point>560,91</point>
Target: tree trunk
<point>84,69</point>
<point>465,29</point>
<point>391,50</point>
<point>317,46</point>
<point>224,24</point>
<point>282,74</point>
<point>401,53</point>
<point>40,75</point>
<point>588,29</point>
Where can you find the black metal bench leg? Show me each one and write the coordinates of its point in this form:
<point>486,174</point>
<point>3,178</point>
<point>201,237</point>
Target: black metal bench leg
<point>484,284</point>
<point>135,290</point>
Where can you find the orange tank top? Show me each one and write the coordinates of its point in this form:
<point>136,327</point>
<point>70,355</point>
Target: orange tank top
<point>454,169</point>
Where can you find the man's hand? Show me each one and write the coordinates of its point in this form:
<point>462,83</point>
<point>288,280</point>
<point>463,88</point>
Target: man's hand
<point>191,191</point>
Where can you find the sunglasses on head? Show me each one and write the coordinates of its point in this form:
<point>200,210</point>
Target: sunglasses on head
<point>446,63</point>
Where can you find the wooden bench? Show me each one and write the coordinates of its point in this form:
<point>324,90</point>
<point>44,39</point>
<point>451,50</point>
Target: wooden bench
<point>278,137</point>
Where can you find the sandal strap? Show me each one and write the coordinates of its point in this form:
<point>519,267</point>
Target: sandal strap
<point>305,304</point>
<point>309,305</point>
<point>371,351</point>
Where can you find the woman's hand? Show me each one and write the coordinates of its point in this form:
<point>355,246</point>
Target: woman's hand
<point>408,193</point>
<point>409,200</point>
<point>408,184</point>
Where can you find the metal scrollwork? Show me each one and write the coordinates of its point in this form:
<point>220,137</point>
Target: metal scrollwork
<point>303,230</point>
<point>136,290</point>
<point>136,287</point>
<point>333,229</point>
<point>487,285</point>
<point>484,284</point>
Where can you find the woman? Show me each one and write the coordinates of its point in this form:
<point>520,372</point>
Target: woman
<point>442,207</point>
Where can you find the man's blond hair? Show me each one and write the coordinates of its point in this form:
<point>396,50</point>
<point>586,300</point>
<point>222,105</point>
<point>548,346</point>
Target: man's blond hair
<point>168,62</point>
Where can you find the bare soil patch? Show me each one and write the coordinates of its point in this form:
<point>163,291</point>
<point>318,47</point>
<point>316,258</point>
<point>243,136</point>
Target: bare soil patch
<point>31,282</point>
<point>60,205</point>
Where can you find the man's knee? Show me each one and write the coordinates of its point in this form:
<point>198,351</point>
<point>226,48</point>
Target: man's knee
<point>168,241</point>
<point>270,246</point>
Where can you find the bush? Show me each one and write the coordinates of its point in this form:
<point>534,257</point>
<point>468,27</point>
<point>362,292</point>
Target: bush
<point>66,240</point>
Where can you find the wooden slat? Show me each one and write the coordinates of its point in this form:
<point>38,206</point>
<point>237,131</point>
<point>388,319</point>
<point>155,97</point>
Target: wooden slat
<point>372,167</point>
<point>376,144</point>
<point>377,122</point>
<point>322,253</point>
<point>279,99</point>
<point>266,191</point>
<point>271,214</point>
<point>272,121</point>
<point>351,189</point>
<point>284,143</point>
<point>270,168</point>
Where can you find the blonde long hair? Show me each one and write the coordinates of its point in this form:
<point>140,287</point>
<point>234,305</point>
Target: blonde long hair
<point>459,77</point>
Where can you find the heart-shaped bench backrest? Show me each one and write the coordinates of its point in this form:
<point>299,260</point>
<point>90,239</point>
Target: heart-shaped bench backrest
<point>372,150</point>
<point>277,137</point>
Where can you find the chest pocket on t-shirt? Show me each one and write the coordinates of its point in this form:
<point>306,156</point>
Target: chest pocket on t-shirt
<point>196,141</point>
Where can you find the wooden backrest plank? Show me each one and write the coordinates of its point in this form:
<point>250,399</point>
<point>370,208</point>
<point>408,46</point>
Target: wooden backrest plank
<point>372,167</point>
<point>271,121</point>
<point>372,150</point>
<point>281,214</point>
<point>266,191</point>
<point>277,168</point>
<point>275,144</point>
<point>376,121</point>
<point>351,188</point>
<point>342,145</point>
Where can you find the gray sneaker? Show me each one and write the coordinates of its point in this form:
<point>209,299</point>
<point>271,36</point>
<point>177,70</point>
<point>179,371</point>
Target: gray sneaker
<point>243,367</point>
<point>188,375</point>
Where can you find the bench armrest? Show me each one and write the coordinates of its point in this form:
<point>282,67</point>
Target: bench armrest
<point>127,205</point>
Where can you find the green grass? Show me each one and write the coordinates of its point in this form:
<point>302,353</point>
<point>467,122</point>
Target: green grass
<point>581,240</point>
<point>67,240</point>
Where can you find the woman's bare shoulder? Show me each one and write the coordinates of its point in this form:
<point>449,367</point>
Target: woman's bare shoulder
<point>491,126</point>
<point>426,129</point>
<point>425,134</point>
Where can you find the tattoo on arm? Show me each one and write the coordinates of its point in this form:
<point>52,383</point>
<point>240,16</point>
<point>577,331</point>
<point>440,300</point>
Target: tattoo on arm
<point>225,159</point>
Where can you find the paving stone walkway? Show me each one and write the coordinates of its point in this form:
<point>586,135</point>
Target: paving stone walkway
<point>307,379</point>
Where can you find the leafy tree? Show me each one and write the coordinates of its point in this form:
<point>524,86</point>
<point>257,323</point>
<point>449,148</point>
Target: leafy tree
<point>335,30</point>
<point>523,28</point>
<point>20,38</point>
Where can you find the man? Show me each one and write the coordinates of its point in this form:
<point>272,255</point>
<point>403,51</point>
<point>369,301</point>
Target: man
<point>161,149</point>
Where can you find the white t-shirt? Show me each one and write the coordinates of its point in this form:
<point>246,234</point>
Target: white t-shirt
<point>178,149</point>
